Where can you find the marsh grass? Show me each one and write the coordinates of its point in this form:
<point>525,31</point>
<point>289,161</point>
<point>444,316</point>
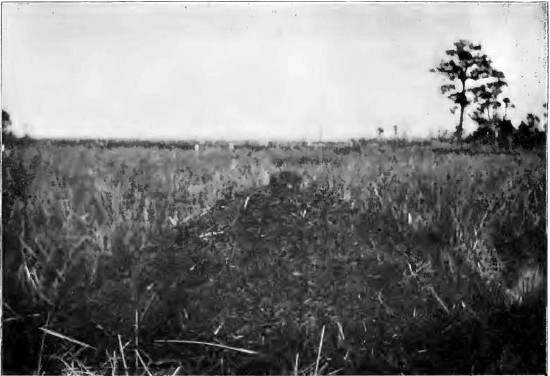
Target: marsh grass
<point>401,259</point>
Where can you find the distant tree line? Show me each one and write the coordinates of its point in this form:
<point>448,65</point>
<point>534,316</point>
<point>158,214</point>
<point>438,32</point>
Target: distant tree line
<point>7,134</point>
<point>529,134</point>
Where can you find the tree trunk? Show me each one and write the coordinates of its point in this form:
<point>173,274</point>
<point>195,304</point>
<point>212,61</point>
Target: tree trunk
<point>459,128</point>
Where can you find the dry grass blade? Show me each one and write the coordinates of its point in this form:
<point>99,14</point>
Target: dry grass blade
<point>341,335</point>
<point>138,356</point>
<point>319,352</point>
<point>176,371</point>
<point>210,234</point>
<point>61,336</point>
<point>114,364</point>
<point>83,369</point>
<point>196,216</point>
<point>335,371</point>
<point>42,347</point>
<point>411,270</point>
<point>72,368</point>
<point>136,334</point>
<point>245,351</point>
<point>29,276</point>
<point>388,309</point>
<point>34,282</point>
<point>218,329</point>
<point>296,364</point>
<point>68,367</point>
<point>9,319</point>
<point>439,300</point>
<point>122,354</point>
<point>153,296</point>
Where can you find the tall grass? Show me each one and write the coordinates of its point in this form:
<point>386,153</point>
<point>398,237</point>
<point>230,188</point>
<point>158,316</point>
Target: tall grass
<point>83,228</point>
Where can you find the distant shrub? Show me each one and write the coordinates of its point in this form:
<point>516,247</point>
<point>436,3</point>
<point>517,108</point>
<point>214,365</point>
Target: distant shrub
<point>502,133</point>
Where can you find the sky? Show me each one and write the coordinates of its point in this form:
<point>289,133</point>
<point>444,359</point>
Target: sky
<point>255,70</point>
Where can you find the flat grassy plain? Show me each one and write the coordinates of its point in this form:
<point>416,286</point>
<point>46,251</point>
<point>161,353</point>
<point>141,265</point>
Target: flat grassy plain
<point>389,259</point>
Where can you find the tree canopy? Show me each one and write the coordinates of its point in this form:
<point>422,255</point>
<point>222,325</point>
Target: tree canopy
<point>466,64</point>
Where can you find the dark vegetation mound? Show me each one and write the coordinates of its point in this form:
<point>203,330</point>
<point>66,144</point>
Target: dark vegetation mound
<point>266,270</point>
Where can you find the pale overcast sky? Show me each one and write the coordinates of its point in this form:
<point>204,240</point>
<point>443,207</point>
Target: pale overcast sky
<point>254,70</point>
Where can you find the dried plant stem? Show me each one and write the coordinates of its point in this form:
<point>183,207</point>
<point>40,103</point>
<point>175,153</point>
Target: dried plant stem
<point>319,351</point>
<point>153,296</point>
<point>138,357</point>
<point>122,355</point>
<point>61,336</point>
<point>136,335</point>
<point>42,347</point>
<point>114,364</point>
<point>246,351</point>
<point>439,300</point>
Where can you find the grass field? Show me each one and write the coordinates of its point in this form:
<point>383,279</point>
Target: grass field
<point>388,259</point>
